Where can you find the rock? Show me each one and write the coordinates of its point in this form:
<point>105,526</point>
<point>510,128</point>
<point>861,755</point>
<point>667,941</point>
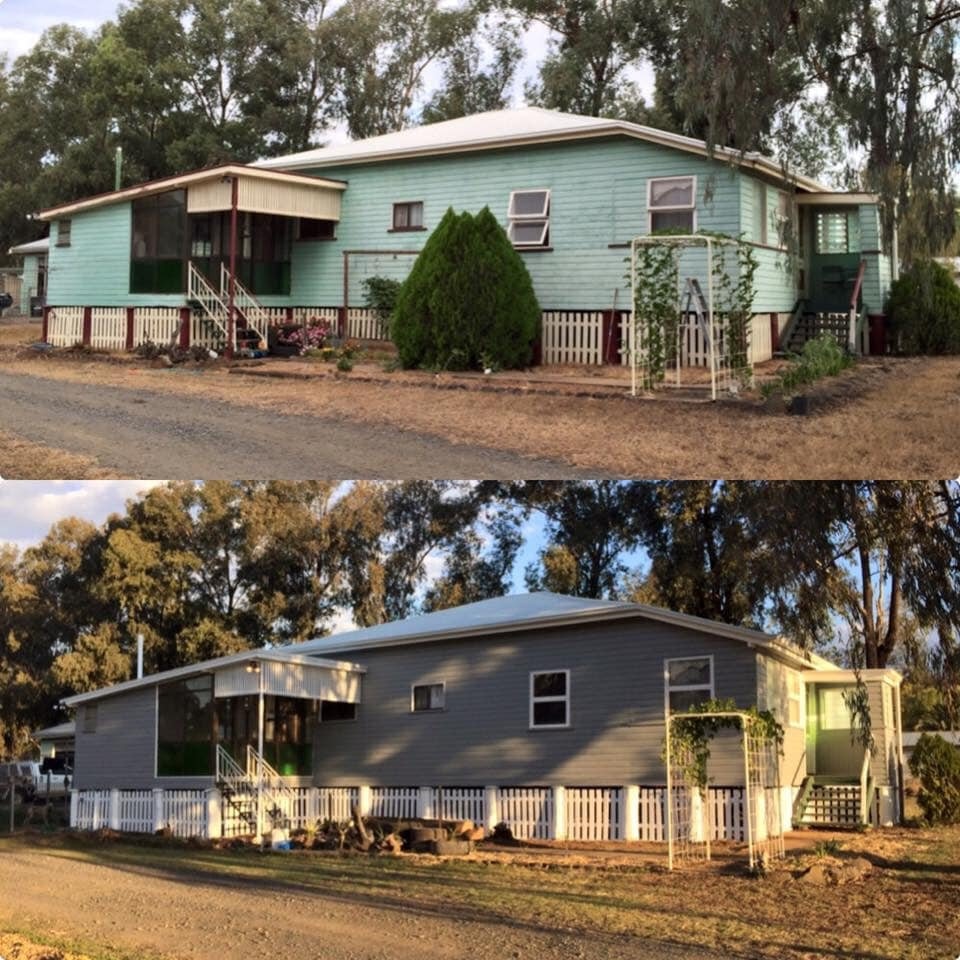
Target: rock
<point>779,876</point>
<point>857,868</point>
<point>819,875</point>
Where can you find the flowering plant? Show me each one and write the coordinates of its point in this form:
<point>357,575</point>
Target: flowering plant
<point>311,337</point>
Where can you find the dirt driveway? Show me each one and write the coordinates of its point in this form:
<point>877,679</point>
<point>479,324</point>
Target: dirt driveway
<point>885,418</point>
<point>167,435</point>
<point>145,910</point>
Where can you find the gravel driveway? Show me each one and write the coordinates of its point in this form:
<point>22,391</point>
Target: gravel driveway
<point>145,433</point>
<point>206,918</point>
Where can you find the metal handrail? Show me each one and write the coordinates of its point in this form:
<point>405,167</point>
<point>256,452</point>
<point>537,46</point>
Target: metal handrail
<point>852,340</point>
<point>201,291</point>
<point>245,302</point>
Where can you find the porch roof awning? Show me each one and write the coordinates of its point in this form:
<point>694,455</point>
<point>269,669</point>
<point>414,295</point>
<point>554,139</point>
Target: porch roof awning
<point>258,191</point>
<point>337,679</point>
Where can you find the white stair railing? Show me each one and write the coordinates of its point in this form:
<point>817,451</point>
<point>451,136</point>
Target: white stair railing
<point>276,794</point>
<point>257,318</point>
<point>202,292</point>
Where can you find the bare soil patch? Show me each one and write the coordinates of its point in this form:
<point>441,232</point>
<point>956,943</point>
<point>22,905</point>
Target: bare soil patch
<point>900,899</point>
<point>25,460</point>
<point>890,418</point>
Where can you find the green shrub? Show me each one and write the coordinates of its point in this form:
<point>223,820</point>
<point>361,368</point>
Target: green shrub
<point>821,357</point>
<point>468,300</point>
<point>924,309</point>
<point>937,764</point>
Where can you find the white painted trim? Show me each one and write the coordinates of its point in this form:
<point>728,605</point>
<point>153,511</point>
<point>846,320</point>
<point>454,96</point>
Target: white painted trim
<point>543,216</point>
<point>683,208</point>
<point>429,683</point>
<point>552,699</point>
<point>801,698</point>
<point>668,688</point>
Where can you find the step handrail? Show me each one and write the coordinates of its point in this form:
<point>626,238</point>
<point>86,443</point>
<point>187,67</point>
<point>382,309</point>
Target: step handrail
<point>200,290</point>
<point>245,302</point>
<point>852,344</point>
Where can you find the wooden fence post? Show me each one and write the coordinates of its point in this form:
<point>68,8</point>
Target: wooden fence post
<point>74,808</point>
<point>185,316</point>
<point>157,809</point>
<point>426,808</point>
<point>491,806</point>
<point>213,825</point>
<point>45,324</point>
<point>630,812</point>
<point>365,800</point>
<point>87,325</point>
<point>130,327</point>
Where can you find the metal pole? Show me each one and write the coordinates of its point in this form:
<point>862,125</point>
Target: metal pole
<point>713,332</point>
<point>747,793</point>
<point>669,801</point>
<point>231,305</point>
<point>260,749</point>
<point>118,167</point>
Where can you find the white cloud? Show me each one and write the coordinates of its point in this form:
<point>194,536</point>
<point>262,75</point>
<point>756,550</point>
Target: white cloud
<point>28,508</point>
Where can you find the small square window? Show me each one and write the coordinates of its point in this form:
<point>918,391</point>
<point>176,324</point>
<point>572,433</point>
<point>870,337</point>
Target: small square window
<point>408,216</point>
<point>528,218</point>
<point>671,204</point>
<point>689,681</point>
<point>332,711</point>
<point>428,696</point>
<point>64,228</point>
<point>550,698</point>
<point>310,229</point>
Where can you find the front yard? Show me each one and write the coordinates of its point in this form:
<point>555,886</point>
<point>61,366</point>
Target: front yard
<point>907,905</point>
<point>884,418</point>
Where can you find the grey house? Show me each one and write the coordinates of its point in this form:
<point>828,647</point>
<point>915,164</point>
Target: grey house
<point>531,709</point>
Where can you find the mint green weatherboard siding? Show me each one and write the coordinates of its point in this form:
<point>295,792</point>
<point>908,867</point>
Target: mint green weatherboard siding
<point>95,269</point>
<point>598,197</point>
<point>775,279</point>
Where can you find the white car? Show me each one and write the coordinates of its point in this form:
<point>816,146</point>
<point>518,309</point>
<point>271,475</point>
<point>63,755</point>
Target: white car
<point>31,781</point>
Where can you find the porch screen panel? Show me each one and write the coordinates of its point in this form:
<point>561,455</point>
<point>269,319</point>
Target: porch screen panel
<point>159,243</point>
<point>185,719</point>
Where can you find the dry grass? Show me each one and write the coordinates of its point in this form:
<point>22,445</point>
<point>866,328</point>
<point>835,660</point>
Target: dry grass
<point>909,907</point>
<point>18,332</point>
<point>24,460</point>
<point>889,419</point>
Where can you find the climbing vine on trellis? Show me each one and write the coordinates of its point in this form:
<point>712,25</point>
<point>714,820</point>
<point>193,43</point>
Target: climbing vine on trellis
<point>691,734</point>
<point>656,299</point>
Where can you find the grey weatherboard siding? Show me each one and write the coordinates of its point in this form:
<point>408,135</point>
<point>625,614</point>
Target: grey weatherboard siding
<point>483,735</point>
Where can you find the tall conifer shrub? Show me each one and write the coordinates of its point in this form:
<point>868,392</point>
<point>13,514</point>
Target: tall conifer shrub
<point>468,301</point>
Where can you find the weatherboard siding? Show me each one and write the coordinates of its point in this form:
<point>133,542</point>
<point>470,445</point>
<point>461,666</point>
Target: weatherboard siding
<point>95,269</point>
<point>29,280</point>
<point>775,280</point>
<point>483,736</point>
<point>598,197</point>
<point>122,752</point>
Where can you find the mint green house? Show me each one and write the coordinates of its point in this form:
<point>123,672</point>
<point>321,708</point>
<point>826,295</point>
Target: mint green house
<point>295,237</point>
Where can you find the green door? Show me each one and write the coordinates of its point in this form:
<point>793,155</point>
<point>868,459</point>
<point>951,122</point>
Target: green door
<point>834,258</point>
<point>834,755</point>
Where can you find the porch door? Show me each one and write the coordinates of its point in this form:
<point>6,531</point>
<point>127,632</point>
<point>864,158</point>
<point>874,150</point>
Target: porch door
<point>835,755</point>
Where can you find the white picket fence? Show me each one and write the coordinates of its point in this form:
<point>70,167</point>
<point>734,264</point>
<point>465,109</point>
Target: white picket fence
<point>157,324</point>
<point>528,811</point>
<point>330,314</point>
<point>531,812</point>
<point>593,813</point>
<point>363,324</point>
<point>400,802</point>
<point>65,326</point>
<point>460,803</point>
<point>571,336</point>
<point>108,328</point>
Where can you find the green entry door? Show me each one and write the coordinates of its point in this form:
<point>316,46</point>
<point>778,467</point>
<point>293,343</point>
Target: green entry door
<point>829,721</point>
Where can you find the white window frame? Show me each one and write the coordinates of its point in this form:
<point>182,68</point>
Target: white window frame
<point>760,198</point>
<point>513,218</point>
<point>442,684</point>
<point>553,699</point>
<point>797,696</point>
<point>64,241</point>
<point>669,688</point>
<point>692,206</point>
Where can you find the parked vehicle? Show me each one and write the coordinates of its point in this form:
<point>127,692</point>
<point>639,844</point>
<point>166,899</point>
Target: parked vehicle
<point>33,780</point>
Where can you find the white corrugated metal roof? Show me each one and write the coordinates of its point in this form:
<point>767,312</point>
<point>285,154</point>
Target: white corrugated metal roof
<point>35,246</point>
<point>510,127</point>
<point>525,611</point>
